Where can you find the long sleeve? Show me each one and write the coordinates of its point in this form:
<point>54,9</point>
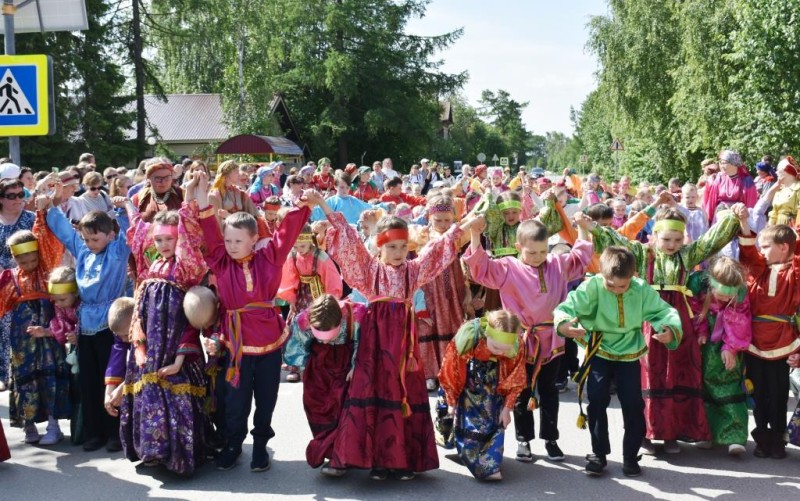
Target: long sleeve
<point>138,238</point>
<point>712,241</point>
<point>190,266</point>
<point>737,329</point>
<point>286,235</point>
<point>60,326</point>
<point>290,279</point>
<point>215,246</point>
<point>7,293</point>
<point>189,343</point>
<point>491,273</point>
<point>330,276</point>
<point>634,225</point>
<point>575,262</point>
<point>64,231</point>
<point>298,348</point>
<point>603,237</point>
<point>115,370</point>
<point>552,219</point>
<point>580,303</point>
<point>660,315</point>
<point>711,196</point>
<point>513,378</point>
<point>453,374</point>
<point>751,258</point>
<point>437,255</point>
<point>346,248</point>
<point>51,250</point>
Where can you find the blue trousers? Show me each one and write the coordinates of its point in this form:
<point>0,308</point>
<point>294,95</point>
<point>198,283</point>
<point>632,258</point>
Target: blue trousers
<point>629,391</point>
<point>259,379</point>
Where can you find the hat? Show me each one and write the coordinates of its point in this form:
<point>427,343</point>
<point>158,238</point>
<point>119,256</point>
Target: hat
<point>594,177</point>
<point>308,169</point>
<point>495,171</point>
<point>323,161</point>
<point>68,178</point>
<point>424,161</point>
<point>543,181</point>
<point>156,164</point>
<point>265,170</point>
<point>364,169</point>
<point>480,169</point>
<point>9,171</point>
<point>439,184</point>
<point>731,157</point>
<point>789,166</point>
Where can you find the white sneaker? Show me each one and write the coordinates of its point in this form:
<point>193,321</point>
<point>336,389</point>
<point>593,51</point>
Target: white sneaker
<point>736,449</point>
<point>32,434</point>
<point>53,436</point>
<point>672,447</point>
<point>647,448</point>
<point>431,384</point>
<point>705,445</point>
<point>330,471</point>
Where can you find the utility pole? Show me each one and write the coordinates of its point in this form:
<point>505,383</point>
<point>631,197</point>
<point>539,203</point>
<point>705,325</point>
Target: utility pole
<point>138,70</point>
<point>11,49</point>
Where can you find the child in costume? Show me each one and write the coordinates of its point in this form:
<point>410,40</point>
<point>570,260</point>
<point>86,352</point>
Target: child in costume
<point>444,296</point>
<point>673,380</point>
<point>101,255</point>
<point>531,286</point>
<point>386,422</point>
<point>307,274</point>
<point>605,315</point>
<point>324,341</point>
<point>39,372</point>
<point>64,328</point>
<point>722,322</point>
<point>119,321</point>
<point>165,373</point>
<point>696,217</point>
<point>482,375</point>
<point>773,286</point>
<point>252,329</point>
<point>271,208</point>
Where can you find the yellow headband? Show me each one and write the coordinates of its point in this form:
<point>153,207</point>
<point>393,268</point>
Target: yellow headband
<point>669,225</point>
<point>305,237</point>
<point>66,288</point>
<point>24,248</point>
<point>508,338</point>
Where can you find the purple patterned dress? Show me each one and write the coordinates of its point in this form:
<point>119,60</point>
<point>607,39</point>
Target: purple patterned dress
<point>163,419</point>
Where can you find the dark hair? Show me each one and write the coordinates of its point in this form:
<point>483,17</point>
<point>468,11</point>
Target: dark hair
<point>24,170</point>
<point>617,262</point>
<point>531,231</point>
<point>7,184</point>
<point>780,234</point>
<point>342,176</point>
<point>98,221</point>
<point>391,183</point>
<point>169,217</point>
<point>273,200</point>
<point>324,313</point>
<point>295,179</point>
<point>600,211</point>
<point>242,221</point>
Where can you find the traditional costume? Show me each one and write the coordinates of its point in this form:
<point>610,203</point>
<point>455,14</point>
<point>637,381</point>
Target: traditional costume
<point>327,358</point>
<point>478,385</point>
<point>305,277</point>
<point>386,421</point>
<point>672,381</point>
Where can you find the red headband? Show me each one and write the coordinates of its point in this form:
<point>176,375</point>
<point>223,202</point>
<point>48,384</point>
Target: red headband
<point>165,229</point>
<point>272,207</point>
<point>390,235</point>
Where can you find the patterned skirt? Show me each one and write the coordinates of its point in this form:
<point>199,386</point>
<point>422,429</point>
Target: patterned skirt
<point>163,419</point>
<point>373,432</point>
<point>40,376</point>
<point>478,433</point>
<point>793,430</point>
<point>672,383</point>
<point>726,408</point>
<point>324,389</point>
<point>444,297</point>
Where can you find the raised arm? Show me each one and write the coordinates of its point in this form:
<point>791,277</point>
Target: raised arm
<point>51,250</point>
<point>64,231</point>
<point>712,241</point>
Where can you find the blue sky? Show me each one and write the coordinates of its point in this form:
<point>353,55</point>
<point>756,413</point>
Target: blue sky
<point>534,49</point>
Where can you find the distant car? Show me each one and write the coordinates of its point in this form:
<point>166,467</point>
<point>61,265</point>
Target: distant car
<point>537,172</point>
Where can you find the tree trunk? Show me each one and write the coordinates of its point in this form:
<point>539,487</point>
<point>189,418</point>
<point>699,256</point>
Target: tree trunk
<point>138,70</point>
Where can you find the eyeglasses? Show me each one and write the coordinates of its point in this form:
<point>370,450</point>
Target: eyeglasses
<point>111,176</point>
<point>94,188</point>
<point>13,196</point>
<point>161,179</point>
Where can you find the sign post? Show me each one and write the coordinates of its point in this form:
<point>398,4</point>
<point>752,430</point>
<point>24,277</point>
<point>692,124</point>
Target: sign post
<point>495,158</point>
<point>11,49</point>
<point>616,147</point>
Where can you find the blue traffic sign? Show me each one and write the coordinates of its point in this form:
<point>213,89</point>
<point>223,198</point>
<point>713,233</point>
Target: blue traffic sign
<point>25,96</point>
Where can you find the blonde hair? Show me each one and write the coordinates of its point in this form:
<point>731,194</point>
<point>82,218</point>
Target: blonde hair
<point>120,316</point>
<point>200,306</point>
<point>728,272</point>
<point>62,275</point>
<point>92,178</point>
<point>20,237</point>
<point>223,170</point>
<point>504,321</point>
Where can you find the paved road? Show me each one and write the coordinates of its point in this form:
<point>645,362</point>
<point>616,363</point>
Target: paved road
<point>67,472</point>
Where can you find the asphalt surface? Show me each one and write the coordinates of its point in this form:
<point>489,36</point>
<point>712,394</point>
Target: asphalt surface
<point>67,472</point>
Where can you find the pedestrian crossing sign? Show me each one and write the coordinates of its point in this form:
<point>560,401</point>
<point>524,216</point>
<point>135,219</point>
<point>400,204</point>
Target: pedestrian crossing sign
<point>26,104</point>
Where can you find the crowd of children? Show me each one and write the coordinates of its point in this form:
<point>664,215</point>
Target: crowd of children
<point>154,322</point>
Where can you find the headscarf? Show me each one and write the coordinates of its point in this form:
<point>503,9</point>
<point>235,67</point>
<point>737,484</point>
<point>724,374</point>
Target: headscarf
<point>789,166</point>
<point>731,157</point>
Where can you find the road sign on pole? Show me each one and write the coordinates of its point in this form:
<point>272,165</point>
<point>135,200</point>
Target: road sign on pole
<point>584,159</point>
<point>495,158</point>
<point>481,157</point>
<point>26,86</point>
<point>617,145</point>
<point>504,161</point>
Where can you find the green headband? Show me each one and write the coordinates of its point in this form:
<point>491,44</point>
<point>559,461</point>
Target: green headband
<point>669,225</point>
<point>510,204</point>
<point>508,338</point>
<point>727,290</point>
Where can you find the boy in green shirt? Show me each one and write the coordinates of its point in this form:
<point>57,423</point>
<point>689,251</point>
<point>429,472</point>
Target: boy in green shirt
<point>605,315</point>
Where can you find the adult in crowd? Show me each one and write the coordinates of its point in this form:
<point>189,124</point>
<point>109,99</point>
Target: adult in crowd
<point>388,169</point>
<point>13,218</point>
<point>159,193</point>
<point>731,185</point>
<point>323,180</point>
<point>264,185</point>
<point>766,175</point>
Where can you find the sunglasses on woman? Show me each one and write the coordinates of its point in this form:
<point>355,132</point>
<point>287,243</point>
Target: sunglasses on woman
<point>13,196</point>
<point>94,188</point>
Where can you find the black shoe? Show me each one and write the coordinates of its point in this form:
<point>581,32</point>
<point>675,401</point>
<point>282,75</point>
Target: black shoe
<point>94,443</point>
<point>553,451</point>
<point>612,388</point>
<point>379,474</point>
<point>260,459</point>
<point>562,385</point>
<point>114,445</point>
<point>630,467</point>
<point>227,458</point>
<point>404,475</point>
<point>595,464</point>
<point>760,451</point>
